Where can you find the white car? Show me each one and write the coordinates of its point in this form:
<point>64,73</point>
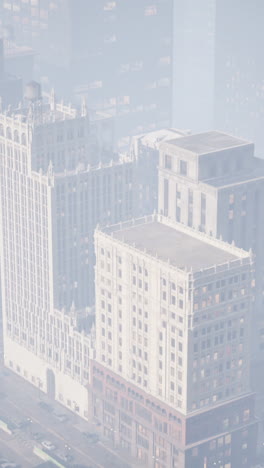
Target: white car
<point>48,445</point>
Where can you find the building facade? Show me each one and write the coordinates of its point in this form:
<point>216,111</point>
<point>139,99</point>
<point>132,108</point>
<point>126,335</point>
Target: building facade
<point>57,183</point>
<point>213,183</point>
<point>219,43</point>
<point>172,344</point>
<point>10,85</point>
<point>144,149</point>
<point>90,48</point>
<point>239,97</point>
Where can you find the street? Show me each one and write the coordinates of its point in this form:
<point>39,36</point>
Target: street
<point>38,419</point>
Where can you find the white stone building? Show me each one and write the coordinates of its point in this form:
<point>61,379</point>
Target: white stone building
<point>54,191</point>
<point>213,182</point>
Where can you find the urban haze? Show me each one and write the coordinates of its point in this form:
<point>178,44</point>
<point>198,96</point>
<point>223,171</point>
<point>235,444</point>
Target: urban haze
<point>132,233</point>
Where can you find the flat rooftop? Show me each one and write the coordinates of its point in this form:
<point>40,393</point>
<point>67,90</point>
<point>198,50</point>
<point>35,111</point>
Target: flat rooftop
<point>183,250</point>
<point>208,142</point>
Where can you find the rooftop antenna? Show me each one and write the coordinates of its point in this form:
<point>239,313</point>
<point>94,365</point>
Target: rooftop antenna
<point>84,111</point>
<point>52,100</point>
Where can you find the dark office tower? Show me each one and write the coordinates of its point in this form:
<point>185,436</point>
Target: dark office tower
<point>239,69</point>
<point>10,86</point>
<point>194,64</point>
<point>117,53</point>
<point>123,60</point>
<point>1,59</point>
<point>218,67</point>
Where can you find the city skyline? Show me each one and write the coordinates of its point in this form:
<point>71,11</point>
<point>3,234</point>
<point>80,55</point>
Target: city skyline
<point>131,234</point>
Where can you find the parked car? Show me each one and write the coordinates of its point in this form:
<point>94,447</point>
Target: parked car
<point>61,417</point>
<point>48,445</point>
<point>45,406</point>
<point>24,423</point>
<point>65,457</point>
<point>37,435</point>
<point>92,437</point>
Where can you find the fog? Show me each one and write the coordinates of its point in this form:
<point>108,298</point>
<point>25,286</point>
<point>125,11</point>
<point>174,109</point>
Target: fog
<point>131,233</point>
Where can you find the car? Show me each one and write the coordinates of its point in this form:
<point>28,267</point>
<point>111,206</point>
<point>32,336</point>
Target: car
<point>92,437</point>
<point>37,435</point>
<point>48,445</point>
<point>65,457</point>
<point>24,423</point>
<point>45,406</point>
<point>61,417</point>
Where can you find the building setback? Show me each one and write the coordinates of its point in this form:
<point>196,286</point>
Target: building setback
<point>170,383</point>
<point>213,183</point>
<point>144,149</point>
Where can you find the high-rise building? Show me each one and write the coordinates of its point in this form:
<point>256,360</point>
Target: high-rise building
<point>213,183</point>
<point>170,383</point>
<point>118,54</point>
<point>194,64</point>
<point>217,48</point>
<point>239,69</point>
<point>10,85</point>
<point>144,149</point>
<point>19,60</point>
<point>57,183</point>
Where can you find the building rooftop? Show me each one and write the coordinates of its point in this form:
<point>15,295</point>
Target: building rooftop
<point>208,142</point>
<point>155,138</point>
<point>183,249</point>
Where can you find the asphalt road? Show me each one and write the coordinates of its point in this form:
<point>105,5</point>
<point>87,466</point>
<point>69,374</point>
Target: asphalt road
<point>66,436</point>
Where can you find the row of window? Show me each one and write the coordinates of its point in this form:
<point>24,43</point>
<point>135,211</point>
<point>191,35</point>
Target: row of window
<point>15,136</point>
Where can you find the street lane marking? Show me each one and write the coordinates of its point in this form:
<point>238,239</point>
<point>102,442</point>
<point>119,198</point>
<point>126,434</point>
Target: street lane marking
<point>56,434</point>
<point>13,449</point>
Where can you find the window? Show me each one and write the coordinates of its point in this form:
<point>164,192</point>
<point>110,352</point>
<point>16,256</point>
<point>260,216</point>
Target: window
<point>109,6</point>
<point>183,167</point>
<point>246,415</point>
<point>166,197</point>
<point>16,136</point>
<point>225,423</point>
<point>151,10</point>
<point>8,133</point>
<point>167,161</point>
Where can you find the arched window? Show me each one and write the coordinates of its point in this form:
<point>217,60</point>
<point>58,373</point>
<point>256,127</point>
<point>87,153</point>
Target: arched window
<point>8,133</point>
<point>1,130</point>
<point>23,139</point>
<point>16,136</point>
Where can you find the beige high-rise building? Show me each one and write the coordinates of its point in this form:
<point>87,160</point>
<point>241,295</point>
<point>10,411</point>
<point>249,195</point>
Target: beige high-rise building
<point>173,309</point>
